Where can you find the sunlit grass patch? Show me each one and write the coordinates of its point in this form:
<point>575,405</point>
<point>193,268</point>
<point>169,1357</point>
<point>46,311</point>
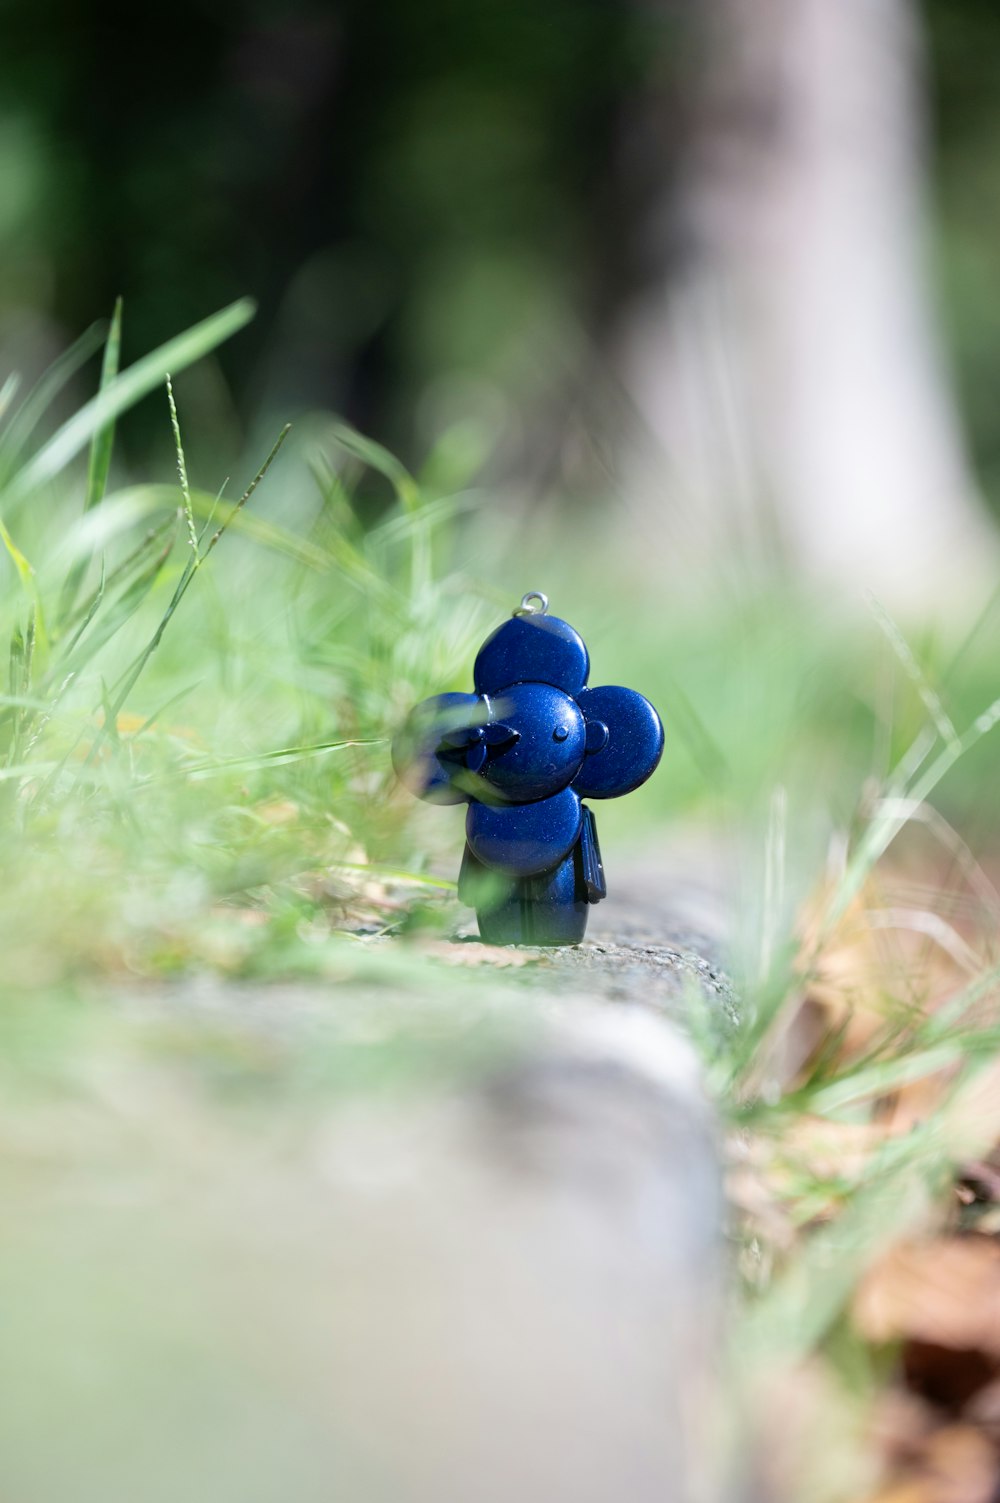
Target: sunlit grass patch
<point>186,747</point>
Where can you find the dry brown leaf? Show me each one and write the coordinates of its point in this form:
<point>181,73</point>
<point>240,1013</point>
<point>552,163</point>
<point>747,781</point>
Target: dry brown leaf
<point>955,1464</point>
<point>983,1410</point>
<point>915,1103</point>
<point>913,936</point>
<point>810,1436</point>
<point>921,928</point>
<point>944,1291</point>
<point>961,1466</point>
<point>912,1490</point>
<point>866,973</point>
<point>971,1124</point>
<point>900,1426</point>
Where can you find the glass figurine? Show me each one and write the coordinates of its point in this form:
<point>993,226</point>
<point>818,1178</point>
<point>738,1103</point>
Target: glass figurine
<point>523,751</point>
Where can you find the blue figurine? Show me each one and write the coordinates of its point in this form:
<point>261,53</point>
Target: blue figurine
<point>522,752</point>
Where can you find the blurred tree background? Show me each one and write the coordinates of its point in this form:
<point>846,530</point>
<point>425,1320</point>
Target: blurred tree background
<point>964,39</point>
<point>443,210</point>
<point>409,190</point>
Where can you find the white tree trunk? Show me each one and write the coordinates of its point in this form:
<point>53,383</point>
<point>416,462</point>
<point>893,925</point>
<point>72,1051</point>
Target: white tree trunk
<point>791,376</point>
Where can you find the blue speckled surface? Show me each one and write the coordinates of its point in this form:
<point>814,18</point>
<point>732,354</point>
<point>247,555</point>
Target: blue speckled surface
<point>522,751</point>
<point>532,649</point>
<point>520,840</point>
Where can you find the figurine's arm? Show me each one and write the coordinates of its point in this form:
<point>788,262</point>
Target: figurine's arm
<point>595,887</point>
<point>440,746</point>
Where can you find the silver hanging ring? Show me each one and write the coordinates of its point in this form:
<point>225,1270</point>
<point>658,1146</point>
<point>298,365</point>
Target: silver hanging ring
<point>539,608</point>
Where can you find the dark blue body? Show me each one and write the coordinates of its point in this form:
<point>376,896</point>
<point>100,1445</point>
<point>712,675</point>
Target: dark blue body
<point>522,752</point>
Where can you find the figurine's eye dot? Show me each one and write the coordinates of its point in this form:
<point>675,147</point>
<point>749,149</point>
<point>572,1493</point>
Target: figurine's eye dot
<point>560,733</point>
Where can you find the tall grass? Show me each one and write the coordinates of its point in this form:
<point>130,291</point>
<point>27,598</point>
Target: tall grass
<point>863,1081</point>
<point>193,742</point>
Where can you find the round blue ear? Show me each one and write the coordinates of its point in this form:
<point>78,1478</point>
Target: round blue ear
<point>532,649</point>
<point>442,738</point>
<point>624,746</point>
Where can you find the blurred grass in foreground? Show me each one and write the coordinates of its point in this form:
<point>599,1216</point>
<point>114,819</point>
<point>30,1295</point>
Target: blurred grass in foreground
<point>194,738</point>
<point>178,737</point>
<point>195,777</point>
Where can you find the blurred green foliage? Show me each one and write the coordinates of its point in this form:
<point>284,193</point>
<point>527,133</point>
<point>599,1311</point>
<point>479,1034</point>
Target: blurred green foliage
<point>964,42</point>
<point>415,194</point>
<point>407,190</point>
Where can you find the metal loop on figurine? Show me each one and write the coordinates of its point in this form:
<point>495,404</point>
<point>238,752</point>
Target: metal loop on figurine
<point>527,609</point>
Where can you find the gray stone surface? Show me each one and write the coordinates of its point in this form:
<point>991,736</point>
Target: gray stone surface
<point>663,976</point>
<point>498,1278</point>
<point>658,940</point>
<point>446,1230</point>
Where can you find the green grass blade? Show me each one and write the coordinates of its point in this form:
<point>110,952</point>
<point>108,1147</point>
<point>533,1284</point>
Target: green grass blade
<point>25,572</point>
<point>237,509</point>
<point>26,575</point>
<point>277,758</point>
<point>376,458</point>
<point>22,702</point>
<point>8,391</point>
<point>396,874</point>
<point>929,696</point>
<point>21,770</point>
<point>433,514</point>
<point>124,509</point>
<point>110,579</point>
<point>99,463</point>
<point>260,530</point>
<point>38,400</point>
<point>894,812</point>
<point>855,1086</point>
<point>102,442</point>
<point>130,677</point>
<point>182,473</point>
<point>111,621</point>
<point>123,392</point>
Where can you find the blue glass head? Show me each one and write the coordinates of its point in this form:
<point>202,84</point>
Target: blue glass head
<point>532,728</point>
